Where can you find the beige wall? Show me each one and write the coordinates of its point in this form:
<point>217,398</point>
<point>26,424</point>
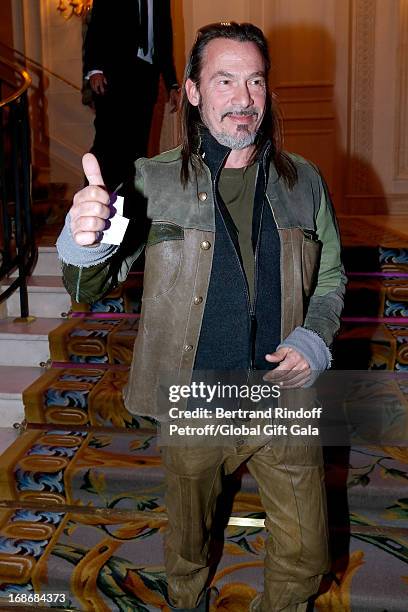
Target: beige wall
<point>62,126</point>
<point>378,103</point>
<point>340,72</point>
<point>6,22</point>
<point>70,122</point>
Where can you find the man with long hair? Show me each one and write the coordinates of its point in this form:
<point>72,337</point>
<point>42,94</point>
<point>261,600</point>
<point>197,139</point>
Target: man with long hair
<point>242,273</point>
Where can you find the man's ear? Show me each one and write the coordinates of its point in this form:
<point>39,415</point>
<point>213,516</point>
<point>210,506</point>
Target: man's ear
<point>192,92</point>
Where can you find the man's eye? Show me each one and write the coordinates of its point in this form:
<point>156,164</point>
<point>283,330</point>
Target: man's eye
<point>224,82</point>
<point>257,82</point>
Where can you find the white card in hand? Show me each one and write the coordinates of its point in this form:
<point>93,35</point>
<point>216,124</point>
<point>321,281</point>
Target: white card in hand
<point>118,224</point>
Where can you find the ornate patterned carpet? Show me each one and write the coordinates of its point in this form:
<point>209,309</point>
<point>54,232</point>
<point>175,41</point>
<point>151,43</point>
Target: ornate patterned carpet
<point>82,512</point>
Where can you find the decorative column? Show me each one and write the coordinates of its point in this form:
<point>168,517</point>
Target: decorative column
<point>362,93</point>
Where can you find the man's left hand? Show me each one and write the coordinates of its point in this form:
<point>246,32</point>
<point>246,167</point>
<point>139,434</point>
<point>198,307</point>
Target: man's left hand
<point>293,369</point>
<point>174,97</point>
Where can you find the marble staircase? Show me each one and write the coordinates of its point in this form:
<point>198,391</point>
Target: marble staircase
<point>24,347</point>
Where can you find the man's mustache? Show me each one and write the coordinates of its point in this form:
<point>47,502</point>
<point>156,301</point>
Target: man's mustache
<point>242,112</point>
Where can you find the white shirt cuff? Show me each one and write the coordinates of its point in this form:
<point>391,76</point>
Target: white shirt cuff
<point>91,72</point>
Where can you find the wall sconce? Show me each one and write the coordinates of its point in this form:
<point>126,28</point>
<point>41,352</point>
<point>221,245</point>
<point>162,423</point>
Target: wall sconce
<point>68,8</point>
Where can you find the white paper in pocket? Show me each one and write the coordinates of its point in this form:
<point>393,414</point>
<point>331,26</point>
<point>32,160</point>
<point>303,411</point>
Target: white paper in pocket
<point>118,223</point>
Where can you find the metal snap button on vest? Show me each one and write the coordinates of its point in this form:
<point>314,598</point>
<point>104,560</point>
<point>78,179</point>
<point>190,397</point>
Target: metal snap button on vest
<point>188,347</point>
<point>198,299</point>
<point>205,245</point>
<point>202,196</point>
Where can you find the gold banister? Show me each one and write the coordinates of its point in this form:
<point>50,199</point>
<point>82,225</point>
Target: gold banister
<point>26,84</point>
<point>29,60</point>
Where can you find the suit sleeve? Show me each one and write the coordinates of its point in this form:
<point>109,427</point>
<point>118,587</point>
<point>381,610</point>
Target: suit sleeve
<point>95,41</point>
<point>166,61</point>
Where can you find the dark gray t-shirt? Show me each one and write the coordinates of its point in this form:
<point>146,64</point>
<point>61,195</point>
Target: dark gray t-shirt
<point>237,189</point>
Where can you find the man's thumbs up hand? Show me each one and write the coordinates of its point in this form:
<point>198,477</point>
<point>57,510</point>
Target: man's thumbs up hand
<point>92,170</point>
<point>90,207</point>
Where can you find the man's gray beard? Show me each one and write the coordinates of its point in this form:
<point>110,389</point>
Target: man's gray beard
<point>237,142</point>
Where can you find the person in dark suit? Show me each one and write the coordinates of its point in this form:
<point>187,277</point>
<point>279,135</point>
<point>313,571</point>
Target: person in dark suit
<point>127,48</point>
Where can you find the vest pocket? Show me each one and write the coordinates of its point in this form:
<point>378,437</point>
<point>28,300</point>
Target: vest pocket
<point>161,231</point>
<point>164,254</point>
<point>311,248</point>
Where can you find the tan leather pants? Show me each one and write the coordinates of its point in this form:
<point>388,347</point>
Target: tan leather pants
<point>290,481</point>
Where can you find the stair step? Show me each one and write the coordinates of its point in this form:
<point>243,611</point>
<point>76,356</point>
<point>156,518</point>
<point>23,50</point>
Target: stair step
<point>126,298</point>
<point>54,466</point>
<point>125,568</point>
<point>95,339</point>
<point>96,468</point>
<point>362,346</point>
<point>384,234</point>
<point>375,259</point>
<point>80,396</point>
<point>13,381</point>
<point>47,297</point>
<point>8,435</point>
<point>25,344</point>
<point>377,498</point>
<point>376,297</point>
<point>47,264</point>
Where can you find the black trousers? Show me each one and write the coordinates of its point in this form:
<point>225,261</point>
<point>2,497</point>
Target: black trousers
<point>123,117</point>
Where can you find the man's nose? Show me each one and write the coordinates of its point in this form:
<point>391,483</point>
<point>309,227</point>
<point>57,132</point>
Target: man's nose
<point>242,95</point>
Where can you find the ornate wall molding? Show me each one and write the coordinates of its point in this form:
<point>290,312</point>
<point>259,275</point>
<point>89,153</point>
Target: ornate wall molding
<point>362,97</point>
<point>401,109</point>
